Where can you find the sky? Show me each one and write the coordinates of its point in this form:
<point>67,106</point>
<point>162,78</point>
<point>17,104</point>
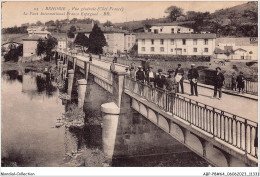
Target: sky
<point>17,13</point>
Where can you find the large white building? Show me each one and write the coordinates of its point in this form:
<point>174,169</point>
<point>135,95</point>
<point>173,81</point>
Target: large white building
<point>169,28</point>
<point>176,44</point>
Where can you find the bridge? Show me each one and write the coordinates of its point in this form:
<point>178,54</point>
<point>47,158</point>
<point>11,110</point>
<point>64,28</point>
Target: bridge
<point>223,132</point>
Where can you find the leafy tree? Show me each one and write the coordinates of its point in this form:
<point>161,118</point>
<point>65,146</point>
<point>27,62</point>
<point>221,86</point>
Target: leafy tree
<point>39,23</point>
<point>97,40</point>
<point>174,12</point>
<point>14,53</point>
<point>50,23</point>
<point>46,47</point>
<point>108,23</point>
<point>82,40</point>
<point>71,32</point>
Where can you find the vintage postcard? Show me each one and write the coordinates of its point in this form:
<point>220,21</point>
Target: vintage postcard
<point>129,84</point>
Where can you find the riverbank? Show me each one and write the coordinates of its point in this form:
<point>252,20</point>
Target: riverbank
<point>38,66</point>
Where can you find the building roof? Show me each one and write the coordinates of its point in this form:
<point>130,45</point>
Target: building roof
<point>32,38</point>
<point>168,24</point>
<point>175,36</point>
<point>240,49</point>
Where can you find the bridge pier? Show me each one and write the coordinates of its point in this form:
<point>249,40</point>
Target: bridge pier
<point>82,84</point>
<point>110,115</point>
<point>70,81</point>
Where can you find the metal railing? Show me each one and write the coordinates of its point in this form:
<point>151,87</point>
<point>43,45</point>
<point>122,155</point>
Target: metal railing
<point>234,130</point>
<point>251,87</point>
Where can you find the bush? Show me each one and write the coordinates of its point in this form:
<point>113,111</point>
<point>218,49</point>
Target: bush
<point>14,53</point>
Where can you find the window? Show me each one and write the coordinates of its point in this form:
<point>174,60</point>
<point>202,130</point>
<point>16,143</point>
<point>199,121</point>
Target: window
<point>143,49</point>
<point>162,49</point>
<point>172,41</point>
<point>183,41</point>
<point>155,31</point>
<point>171,50</point>
<point>172,30</point>
<point>195,49</point>
<point>143,41</point>
<point>206,41</point>
<point>161,41</point>
<point>161,29</point>
<point>184,50</point>
<point>194,41</point>
<point>152,49</point>
<point>206,50</point>
<point>179,30</point>
<point>152,41</point>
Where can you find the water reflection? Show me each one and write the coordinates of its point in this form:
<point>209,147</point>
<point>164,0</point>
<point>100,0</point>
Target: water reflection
<point>30,107</point>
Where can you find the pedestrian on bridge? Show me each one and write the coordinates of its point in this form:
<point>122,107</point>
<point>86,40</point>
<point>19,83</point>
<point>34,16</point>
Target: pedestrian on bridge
<point>171,87</point>
<point>179,75</point>
<point>241,82</point>
<point>233,82</point>
<point>140,77</point>
<point>150,76</point>
<point>160,85</point>
<point>132,73</point>
<point>218,83</point>
<point>193,77</point>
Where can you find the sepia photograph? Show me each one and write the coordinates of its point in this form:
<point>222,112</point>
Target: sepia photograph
<point>129,84</point>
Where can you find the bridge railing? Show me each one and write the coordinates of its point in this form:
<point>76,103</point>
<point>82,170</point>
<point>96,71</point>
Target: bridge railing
<point>251,87</point>
<point>234,130</point>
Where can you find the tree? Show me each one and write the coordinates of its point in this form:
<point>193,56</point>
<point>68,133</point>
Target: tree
<point>46,47</point>
<point>71,31</point>
<point>108,23</point>
<point>14,53</point>
<point>174,12</point>
<point>82,40</point>
<point>97,40</point>
<point>39,23</point>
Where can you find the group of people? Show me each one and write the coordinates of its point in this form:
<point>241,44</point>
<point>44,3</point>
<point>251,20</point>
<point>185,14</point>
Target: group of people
<point>173,82</point>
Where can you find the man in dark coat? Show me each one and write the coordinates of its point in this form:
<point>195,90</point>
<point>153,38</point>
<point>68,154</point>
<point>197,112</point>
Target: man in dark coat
<point>140,76</point>
<point>218,83</point>
<point>160,80</point>
<point>179,75</point>
<point>241,82</point>
<point>233,82</point>
<point>193,77</point>
<point>160,84</point>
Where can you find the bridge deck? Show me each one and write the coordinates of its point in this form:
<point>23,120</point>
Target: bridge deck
<point>233,104</point>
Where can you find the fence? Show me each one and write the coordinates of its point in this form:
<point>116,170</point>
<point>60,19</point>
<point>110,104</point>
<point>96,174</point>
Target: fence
<point>234,130</point>
<point>250,86</point>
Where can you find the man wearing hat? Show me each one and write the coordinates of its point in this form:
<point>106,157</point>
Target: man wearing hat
<point>160,84</point>
<point>150,76</point>
<point>140,76</point>
<point>218,83</point>
<point>241,82</point>
<point>193,77</point>
<point>171,86</point>
<point>179,75</point>
<point>160,80</point>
